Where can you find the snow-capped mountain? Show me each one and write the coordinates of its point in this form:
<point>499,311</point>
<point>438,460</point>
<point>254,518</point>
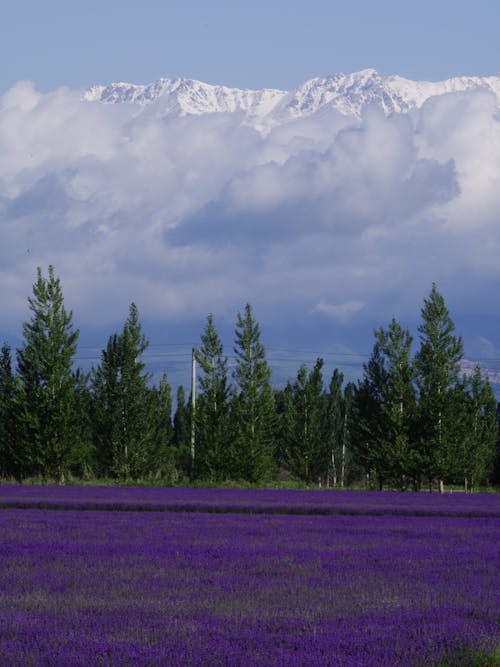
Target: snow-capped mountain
<point>187,96</point>
<point>345,93</point>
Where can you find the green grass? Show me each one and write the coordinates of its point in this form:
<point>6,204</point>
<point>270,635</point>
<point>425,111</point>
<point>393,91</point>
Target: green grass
<point>183,482</point>
<point>469,658</point>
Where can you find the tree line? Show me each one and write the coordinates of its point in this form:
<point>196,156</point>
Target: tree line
<point>413,420</point>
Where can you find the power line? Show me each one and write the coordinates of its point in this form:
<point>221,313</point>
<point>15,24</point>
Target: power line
<point>280,355</point>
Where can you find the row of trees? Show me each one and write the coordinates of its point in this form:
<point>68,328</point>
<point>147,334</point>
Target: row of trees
<point>421,418</point>
<point>409,421</point>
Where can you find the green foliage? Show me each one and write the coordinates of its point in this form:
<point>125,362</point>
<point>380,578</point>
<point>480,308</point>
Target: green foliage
<point>347,413</point>
<point>11,455</point>
<point>306,451</point>
<point>407,421</point>
<point>370,420</point>
<point>252,410</point>
<point>476,444</point>
<point>437,365</point>
<point>47,415</point>
<point>333,429</point>
<point>398,403</point>
<point>472,658</point>
<point>162,461</point>
<point>131,433</point>
<point>182,431</point>
<point>83,451</point>
<point>282,401</point>
<point>213,455</point>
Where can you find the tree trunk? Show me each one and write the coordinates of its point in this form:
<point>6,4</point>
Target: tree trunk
<point>334,470</point>
<point>342,462</point>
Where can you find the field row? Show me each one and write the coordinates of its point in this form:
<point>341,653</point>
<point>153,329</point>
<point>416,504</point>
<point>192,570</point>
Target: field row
<point>252,501</point>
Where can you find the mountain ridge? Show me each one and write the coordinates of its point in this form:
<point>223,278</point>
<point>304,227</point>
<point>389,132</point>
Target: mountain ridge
<point>346,94</point>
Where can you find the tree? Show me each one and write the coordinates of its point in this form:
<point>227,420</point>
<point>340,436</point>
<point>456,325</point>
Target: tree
<point>306,436</point>
<point>161,454</point>
<point>437,366</point>
<point>11,455</point>
<point>399,402</point>
<point>47,417</point>
<point>282,403</point>
<point>477,446</point>
<point>253,406</point>
<point>125,408</point>
<point>371,422</point>
<point>212,459</point>
<point>106,406</point>
<point>496,456</point>
<point>347,420</point>
<point>333,428</point>
<point>182,431</point>
<point>385,403</point>
<point>84,450</point>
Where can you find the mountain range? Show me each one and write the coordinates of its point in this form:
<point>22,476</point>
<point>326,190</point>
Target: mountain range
<point>346,94</point>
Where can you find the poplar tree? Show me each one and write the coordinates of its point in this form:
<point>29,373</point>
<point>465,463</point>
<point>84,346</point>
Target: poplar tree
<point>480,432</point>
<point>306,451</point>
<point>333,428</point>
<point>125,414</point>
<point>437,366</point>
<point>161,460</point>
<point>347,427</point>
<point>106,406</point>
<point>253,413</point>
<point>398,401</point>
<point>182,431</point>
<point>47,417</point>
<point>212,406</point>
<point>282,403</point>
<point>84,451</point>
<point>386,407</point>
<point>11,455</point>
<point>371,422</point>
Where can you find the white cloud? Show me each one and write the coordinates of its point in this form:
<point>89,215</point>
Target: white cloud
<point>341,311</point>
<point>185,216</point>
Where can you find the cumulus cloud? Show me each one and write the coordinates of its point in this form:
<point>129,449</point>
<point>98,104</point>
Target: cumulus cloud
<point>346,219</point>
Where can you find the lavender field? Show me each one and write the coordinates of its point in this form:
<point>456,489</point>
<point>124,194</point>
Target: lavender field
<point>239,577</point>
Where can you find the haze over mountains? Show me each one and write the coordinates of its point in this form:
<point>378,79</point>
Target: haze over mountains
<point>330,208</point>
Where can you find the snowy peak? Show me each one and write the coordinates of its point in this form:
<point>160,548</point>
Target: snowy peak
<point>347,94</point>
<point>189,96</point>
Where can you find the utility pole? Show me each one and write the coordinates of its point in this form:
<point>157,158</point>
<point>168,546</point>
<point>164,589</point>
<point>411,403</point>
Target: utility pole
<point>193,406</point>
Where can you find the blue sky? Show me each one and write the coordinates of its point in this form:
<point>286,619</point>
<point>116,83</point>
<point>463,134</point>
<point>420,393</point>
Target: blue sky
<point>272,43</point>
<point>96,190</point>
